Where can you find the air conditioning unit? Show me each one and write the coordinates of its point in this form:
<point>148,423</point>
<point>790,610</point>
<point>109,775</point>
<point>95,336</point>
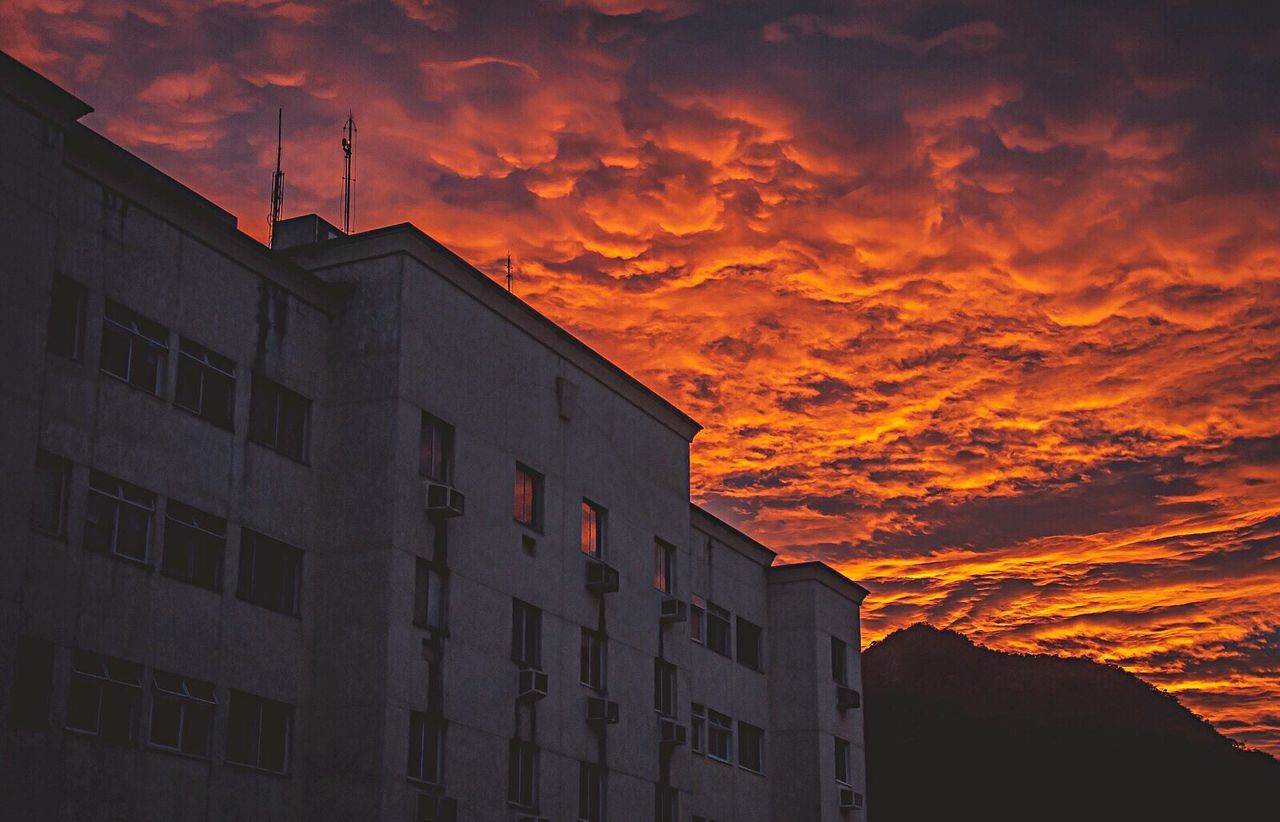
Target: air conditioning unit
<point>850,799</point>
<point>673,733</point>
<point>601,711</point>
<point>847,698</point>
<point>433,807</point>
<point>444,500</point>
<point>602,578</point>
<point>673,610</point>
<point>532,685</point>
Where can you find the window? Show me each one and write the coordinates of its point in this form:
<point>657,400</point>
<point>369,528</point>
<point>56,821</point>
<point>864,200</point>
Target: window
<point>119,518</point>
<point>839,662</point>
<point>270,573</point>
<point>666,807</point>
<point>194,545</point>
<point>528,508</point>
<point>592,660</point>
<point>32,684</point>
<point>134,348</point>
<point>698,728</point>
<point>719,736</point>
<point>526,634</point>
<point>719,631</point>
<point>435,449</point>
<point>206,383</point>
<point>697,618</point>
<point>592,529</point>
<point>522,774</point>
<point>182,714</point>
<point>66,318</point>
<point>49,496</point>
<point>664,567</point>
<point>750,747</point>
<point>750,646</point>
<point>279,418</point>
<point>664,687</point>
<point>104,696</point>
<point>591,780</point>
<point>429,596</point>
<point>426,745</point>
<point>842,761</point>
<point>258,732</point>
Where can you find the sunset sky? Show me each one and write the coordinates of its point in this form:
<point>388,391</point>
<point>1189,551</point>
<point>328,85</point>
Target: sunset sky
<point>978,301</point>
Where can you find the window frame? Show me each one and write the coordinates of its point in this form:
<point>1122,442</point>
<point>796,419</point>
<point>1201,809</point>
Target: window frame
<point>105,674</point>
<point>666,803</point>
<point>698,619</point>
<point>719,727</point>
<point>748,732</point>
<point>665,687</point>
<point>263,392</point>
<point>259,706</point>
<point>182,518</point>
<point>206,362</point>
<point>839,661</point>
<point>443,449</point>
<point>526,622</point>
<point>60,469</point>
<point>593,660</point>
<point>190,696</point>
<point>533,502</point>
<point>697,728</point>
<point>136,498</point>
<point>718,619</point>
<point>67,288</point>
<point>522,768</point>
<point>134,330</point>
<point>430,595</point>
<point>426,730</point>
<point>664,566</point>
<point>247,574</point>
<point>843,756</point>
<point>594,529</point>
<point>755,655</point>
<point>592,787</point>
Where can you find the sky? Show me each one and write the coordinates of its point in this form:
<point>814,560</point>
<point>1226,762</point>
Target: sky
<point>978,301</point>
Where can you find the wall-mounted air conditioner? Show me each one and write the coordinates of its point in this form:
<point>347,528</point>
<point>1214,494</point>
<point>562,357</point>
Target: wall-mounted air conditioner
<point>601,711</point>
<point>850,799</point>
<point>673,610</point>
<point>444,500</point>
<point>847,698</point>
<point>602,578</point>
<point>532,685</point>
<point>673,733</point>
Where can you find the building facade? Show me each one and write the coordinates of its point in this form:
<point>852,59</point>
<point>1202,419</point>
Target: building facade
<point>341,529</point>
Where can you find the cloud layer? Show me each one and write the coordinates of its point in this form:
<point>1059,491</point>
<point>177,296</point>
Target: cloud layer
<point>977,299</point>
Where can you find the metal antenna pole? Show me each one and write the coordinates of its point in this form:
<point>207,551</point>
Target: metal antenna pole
<point>277,181</point>
<point>348,162</point>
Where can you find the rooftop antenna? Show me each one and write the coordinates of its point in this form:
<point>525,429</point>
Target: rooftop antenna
<point>508,271</point>
<point>348,168</point>
<point>277,181</point>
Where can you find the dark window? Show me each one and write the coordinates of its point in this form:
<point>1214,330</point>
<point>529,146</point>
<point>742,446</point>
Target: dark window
<point>719,736</point>
<point>750,645</point>
<point>66,318</point>
<point>750,747</point>
<point>522,774</point>
<point>258,732</point>
<point>592,660</point>
<point>664,687</point>
<point>592,529</point>
<point>842,761</point>
<point>206,383</point>
<point>32,684</point>
<point>279,418</point>
<point>666,806</point>
<point>134,348</point>
<point>664,566</point>
<point>526,634</point>
<point>590,792</point>
<point>839,662</point>
<point>119,518</point>
<point>426,745</point>
<point>719,631</point>
<point>49,496</point>
<point>435,449</point>
<point>697,618</point>
<point>194,546</point>
<point>182,714</point>
<point>429,600</point>
<point>698,728</point>
<point>270,572</point>
<point>528,507</point>
<point>104,696</point>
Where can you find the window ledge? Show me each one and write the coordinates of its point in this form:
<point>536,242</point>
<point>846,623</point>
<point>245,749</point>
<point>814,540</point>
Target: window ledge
<point>306,463</point>
<point>139,389</point>
<point>149,567</point>
<point>175,752</point>
<point>230,429</point>
<point>244,766</point>
<point>751,770</point>
<point>438,787</point>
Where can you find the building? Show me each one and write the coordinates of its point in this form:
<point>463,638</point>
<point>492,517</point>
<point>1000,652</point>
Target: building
<point>343,530</point>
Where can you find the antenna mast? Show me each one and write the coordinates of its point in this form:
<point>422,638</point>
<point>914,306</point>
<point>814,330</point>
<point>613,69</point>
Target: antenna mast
<point>508,271</point>
<point>348,168</point>
<point>277,181</point>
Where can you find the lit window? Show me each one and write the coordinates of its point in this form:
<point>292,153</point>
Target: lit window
<point>526,634</point>
<point>522,774</point>
<point>664,567</point>
<point>719,736</point>
<point>592,529</point>
<point>591,782</point>
<point>750,747</point>
<point>66,318</point>
<point>697,618</point>
<point>182,714</point>
<point>698,728</point>
<point>664,687</point>
<point>206,384</point>
<point>134,348</point>
<point>119,517</point>
<point>258,732</point>
<point>104,697</point>
<point>426,746</point>
<point>270,573</point>
<point>430,605</point>
<point>839,662</point>
<point>528,503</point>
<point>719,631</point>
<point>592,660</point>
<point>750,645</point>
<point>49,495</point>
<point>435,449</point>
<point>842,761</point>
<point>32,684</point>
<point>194,545</point>
<point>279,418</point>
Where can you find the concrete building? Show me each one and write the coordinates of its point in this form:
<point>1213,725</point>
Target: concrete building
<point>343,530</point>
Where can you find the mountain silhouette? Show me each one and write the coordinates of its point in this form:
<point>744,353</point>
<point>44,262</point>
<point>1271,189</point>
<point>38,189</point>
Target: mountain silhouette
<point>956,731</point>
